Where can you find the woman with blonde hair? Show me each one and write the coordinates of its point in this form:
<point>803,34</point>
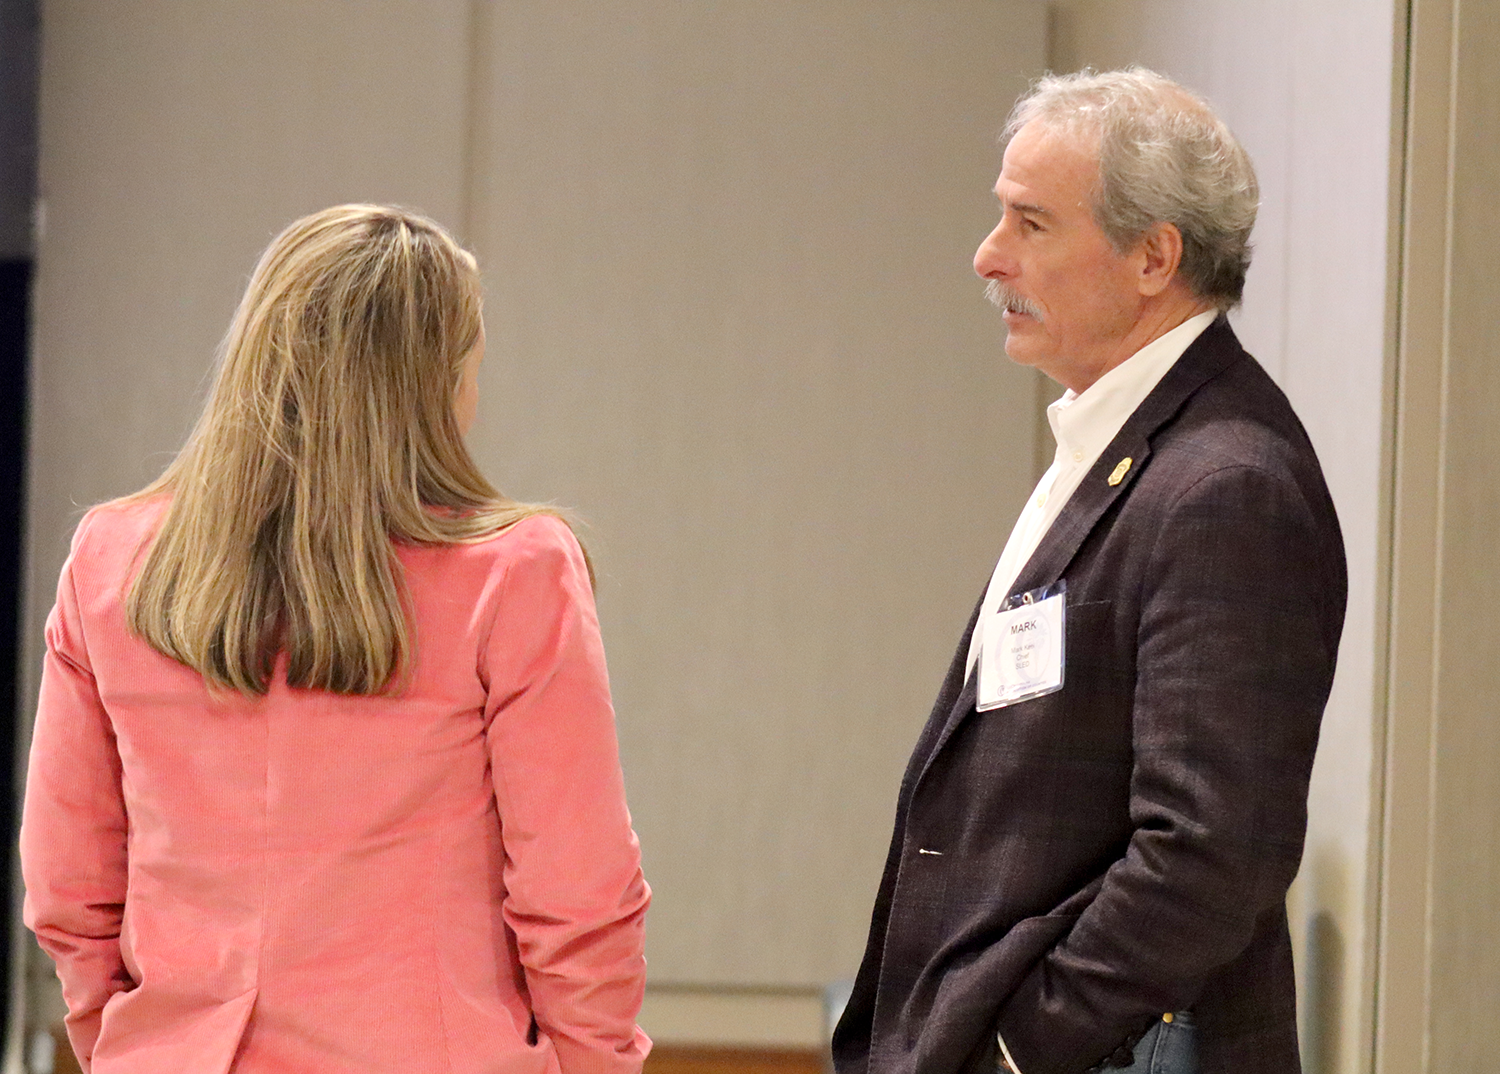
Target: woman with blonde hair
<point>324,775</point>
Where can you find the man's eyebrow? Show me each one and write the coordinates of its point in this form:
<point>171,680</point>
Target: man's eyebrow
<point>1025,208</point>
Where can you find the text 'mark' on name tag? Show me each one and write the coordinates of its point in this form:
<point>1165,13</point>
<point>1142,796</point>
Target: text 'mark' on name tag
<point>1021,653</point>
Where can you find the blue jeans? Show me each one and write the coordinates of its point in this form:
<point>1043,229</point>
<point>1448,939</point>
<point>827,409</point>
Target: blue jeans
<point>1167,1048</point>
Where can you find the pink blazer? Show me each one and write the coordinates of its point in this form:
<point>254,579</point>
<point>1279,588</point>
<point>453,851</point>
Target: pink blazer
<point>443,880</point>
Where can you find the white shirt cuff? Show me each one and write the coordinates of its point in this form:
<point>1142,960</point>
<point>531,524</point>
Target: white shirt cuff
<point>1006,1052</point>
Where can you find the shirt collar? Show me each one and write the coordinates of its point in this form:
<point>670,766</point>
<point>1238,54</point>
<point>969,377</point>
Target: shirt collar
<point>1087,421</point>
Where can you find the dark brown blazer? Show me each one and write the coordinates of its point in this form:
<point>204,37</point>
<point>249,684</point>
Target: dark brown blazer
<point>1122,847</point>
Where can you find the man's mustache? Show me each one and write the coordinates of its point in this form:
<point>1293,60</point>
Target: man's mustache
<point>1009,299</point>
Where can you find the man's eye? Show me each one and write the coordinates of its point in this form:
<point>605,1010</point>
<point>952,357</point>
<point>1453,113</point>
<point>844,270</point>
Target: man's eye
<point>1030,224</point>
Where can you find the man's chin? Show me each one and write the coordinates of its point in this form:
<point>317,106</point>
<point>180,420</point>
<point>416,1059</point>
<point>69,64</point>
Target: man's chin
<point>1017,350</point>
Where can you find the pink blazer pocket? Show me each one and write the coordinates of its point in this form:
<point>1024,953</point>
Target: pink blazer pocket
<point>148,1031</point>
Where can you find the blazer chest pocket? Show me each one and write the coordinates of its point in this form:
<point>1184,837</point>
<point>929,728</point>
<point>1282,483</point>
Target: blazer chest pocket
<point>1093,641</point>
<point>1098,680</point>
<point>1092,710</point>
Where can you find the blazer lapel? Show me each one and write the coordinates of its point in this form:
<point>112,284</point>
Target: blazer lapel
<point>1205,358</point>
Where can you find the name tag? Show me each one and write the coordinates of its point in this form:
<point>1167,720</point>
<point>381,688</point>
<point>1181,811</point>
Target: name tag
<point>1021,653</point>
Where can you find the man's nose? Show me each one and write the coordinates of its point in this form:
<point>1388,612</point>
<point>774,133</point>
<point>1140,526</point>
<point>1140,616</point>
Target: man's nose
<point>990,260</point>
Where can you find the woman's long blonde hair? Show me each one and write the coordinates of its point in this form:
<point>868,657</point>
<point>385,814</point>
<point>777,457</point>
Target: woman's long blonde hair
<point>328,435</point>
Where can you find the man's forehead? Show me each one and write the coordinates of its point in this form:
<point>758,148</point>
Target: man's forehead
<point>1024,198</point>
<point>1046,167</point>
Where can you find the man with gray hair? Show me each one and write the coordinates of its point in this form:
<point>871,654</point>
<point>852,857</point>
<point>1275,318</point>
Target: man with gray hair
<point>1097,828</point>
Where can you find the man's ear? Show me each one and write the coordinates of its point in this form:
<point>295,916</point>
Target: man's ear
<point>1159,254</point>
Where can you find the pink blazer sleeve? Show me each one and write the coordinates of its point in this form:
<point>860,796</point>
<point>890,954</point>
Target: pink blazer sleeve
<point>73,825</point>
<point>576,899</point>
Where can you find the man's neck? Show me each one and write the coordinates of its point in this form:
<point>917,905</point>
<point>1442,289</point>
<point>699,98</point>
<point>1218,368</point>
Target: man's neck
<point>1156,320</point>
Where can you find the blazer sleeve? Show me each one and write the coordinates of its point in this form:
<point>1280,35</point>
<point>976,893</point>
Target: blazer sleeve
<point>73,824</point>
<point>576,899</point>
<point>1241,608</point>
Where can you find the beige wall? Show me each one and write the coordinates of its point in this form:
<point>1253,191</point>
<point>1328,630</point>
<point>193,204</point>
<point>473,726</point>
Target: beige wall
<point>1308,89</point>
<point>732,322</point>
<point>1440,911</point>
<point>1464,956</point>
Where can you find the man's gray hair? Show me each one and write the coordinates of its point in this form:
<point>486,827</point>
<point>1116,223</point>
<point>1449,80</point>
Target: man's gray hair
<point>1164,157</point>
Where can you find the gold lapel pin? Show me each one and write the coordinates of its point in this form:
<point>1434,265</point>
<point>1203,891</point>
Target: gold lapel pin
<point>1119,472</point>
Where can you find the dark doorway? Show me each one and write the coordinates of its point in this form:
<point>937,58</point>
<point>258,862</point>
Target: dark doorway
<point>15,289</point>
<point>19,49</point>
